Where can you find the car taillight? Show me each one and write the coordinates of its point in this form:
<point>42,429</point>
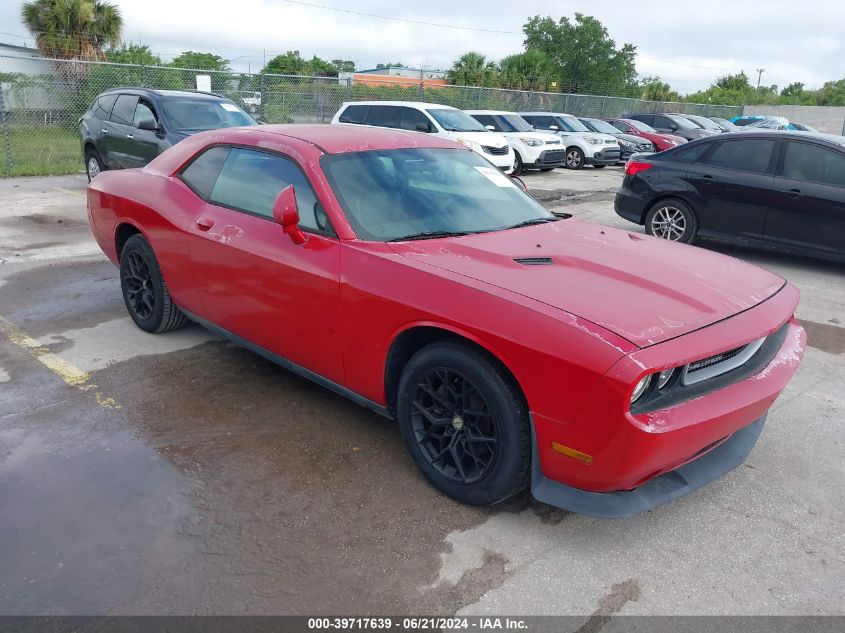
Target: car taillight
<point>634,167</point>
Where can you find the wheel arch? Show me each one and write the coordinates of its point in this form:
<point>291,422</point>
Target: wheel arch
<point>413,337</point>
<point>122,232</point>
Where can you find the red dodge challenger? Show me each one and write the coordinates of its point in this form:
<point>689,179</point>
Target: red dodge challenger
<point>609,370</point>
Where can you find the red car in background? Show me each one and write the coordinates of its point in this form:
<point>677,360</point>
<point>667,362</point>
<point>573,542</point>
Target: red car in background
<point>610,371</point>
<point>638,128</point>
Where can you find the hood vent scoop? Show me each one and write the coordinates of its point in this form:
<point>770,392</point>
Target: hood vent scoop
<point>533,261</point>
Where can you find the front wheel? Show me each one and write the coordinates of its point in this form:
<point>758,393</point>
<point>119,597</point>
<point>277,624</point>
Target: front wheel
<point>672,220</point>
<point>574,158</point>
<point>465,423</point>
<point>144,291</point>
<point>518,166</point>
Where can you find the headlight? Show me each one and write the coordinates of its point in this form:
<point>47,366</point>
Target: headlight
<point>626,144</point>
<point>640,388</point>
<point>595,141</point>
<point>531,142</point>
<point>664,377</point>
<point>471,144</point>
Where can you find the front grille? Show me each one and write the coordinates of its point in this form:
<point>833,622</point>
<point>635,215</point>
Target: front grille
<point>555,142</point>
<point>495,151</point>
<point>533,261</point>
<point>719,364</point>
<point>554,156</point>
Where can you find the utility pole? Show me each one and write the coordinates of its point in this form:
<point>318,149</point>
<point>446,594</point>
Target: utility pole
<point>760,72</point>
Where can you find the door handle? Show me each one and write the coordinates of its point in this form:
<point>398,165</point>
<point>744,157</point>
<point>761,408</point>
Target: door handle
<point>130,136</point>
<point>708,179</point>
<point>203,224</point>
<point>795,193</point>
<point>104,131</point>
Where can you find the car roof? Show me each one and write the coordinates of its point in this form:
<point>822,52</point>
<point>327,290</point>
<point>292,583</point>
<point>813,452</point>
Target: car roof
<point>544,113</point>
<point>490,112</point>
<point>420,105</point>
<point>343,138</point>
<point>194,94</point>
<point>797,135</point>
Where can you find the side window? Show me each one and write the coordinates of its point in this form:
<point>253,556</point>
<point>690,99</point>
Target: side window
<point>144,112</point>
<point>251,180</point>
<point>202,172</point>
<point>383,116</point>
<point>661,122</point>
<point>619,126</point>
<point>648,119</point>
<point>353,114</point>
<point>124,109</point>
<point>811,163</point>
<point>691,153</point>
<point>745,155</point>
<point>414,120</point>
<point>542,122</point>
<point>102,106</point>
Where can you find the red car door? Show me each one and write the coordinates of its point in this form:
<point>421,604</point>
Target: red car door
<point>253,280</point>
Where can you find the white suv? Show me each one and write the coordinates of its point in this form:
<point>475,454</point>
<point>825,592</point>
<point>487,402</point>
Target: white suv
<point>583,147</point>
<point>444,121</point>
<point>540,150</point>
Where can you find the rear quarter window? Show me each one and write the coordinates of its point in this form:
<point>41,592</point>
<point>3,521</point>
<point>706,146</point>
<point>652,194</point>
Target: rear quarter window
<point>201,174</point>
<point>353,114</point>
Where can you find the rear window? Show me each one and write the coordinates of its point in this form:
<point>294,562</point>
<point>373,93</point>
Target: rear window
<point>353,114</point>
<point>102,106</point>
<point>745,155</point>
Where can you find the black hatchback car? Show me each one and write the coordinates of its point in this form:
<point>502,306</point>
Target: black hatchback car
<point>782,190</point>
<point>128,127</point>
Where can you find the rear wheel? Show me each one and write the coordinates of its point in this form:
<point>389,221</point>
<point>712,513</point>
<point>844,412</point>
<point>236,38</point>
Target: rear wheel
<point>672,220</point>
<point>93,163</point>
<point>574,158</point>
<point>465,423</point>
<point>144,291</point>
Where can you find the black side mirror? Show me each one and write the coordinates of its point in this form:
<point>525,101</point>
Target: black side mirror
<point>148,124</point>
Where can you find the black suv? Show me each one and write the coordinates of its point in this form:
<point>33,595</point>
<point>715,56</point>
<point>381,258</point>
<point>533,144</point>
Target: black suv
<point>128,127</point>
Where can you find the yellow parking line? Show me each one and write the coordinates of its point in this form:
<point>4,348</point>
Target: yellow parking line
<point>73,376</point>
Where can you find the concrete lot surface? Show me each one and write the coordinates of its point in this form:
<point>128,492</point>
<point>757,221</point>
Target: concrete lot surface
<point>179,474</point>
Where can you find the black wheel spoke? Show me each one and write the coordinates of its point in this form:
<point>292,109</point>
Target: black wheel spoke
<point>454,425</point>
<point>138,285</point>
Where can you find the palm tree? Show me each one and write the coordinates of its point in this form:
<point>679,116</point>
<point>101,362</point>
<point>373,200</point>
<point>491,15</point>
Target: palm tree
<point>472,69</point>
<point>73,29</point>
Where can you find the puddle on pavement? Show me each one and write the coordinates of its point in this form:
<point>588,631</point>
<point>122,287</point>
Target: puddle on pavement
<point>89,527</point>
<point>826,337</point>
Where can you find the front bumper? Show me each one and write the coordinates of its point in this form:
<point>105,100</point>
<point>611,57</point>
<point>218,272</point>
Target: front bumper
<point>607,156</point>
<point>693,475</point>
<point>605,448</point>
<point>551,158</point>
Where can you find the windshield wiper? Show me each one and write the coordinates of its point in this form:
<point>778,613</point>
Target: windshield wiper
<point>427,235</point>
<point>533,221</point>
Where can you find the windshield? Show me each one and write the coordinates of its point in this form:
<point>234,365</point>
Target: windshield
<point>602,126</point>
<point>510,123</point>
<point>196,115</point>
<point>704,122</point>
<point>681,122</point>
<point>456,121</point>
<point>639,125</point>
<point>571,124</point>
<point>725,124</point>
<point>403,193</point>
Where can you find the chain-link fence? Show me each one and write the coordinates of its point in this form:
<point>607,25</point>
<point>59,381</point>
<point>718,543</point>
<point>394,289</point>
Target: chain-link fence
<point>41,102</point>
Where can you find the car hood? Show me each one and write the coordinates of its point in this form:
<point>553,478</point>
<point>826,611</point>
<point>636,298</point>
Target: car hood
<point>491,139</point>
<point>603,137</point>
<point>630,138</point>
<point>540,136</point>
<point>644,289</point>
<point>674,138</point>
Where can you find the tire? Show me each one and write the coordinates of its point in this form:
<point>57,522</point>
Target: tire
<point>144,291</point>
<point>574,158</point>
<point>93,163</point>
<point>599,166</point>
<point>518,166</point>
<point>486,434</point>
<point>673,220</point>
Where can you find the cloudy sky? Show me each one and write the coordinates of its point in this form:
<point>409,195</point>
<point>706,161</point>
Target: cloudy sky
<point>687,42</point>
